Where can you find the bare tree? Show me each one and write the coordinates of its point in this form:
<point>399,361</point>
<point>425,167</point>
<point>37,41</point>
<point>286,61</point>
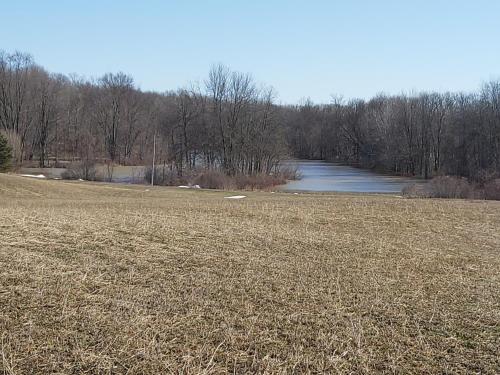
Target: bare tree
<point>14,75</point>
<point>115,97</point>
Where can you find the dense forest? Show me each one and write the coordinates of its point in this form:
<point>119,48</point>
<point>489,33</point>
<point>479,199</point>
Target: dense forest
<point>232,123</point>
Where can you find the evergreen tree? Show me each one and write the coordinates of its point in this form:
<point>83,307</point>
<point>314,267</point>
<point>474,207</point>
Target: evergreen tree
<point>5,154</point>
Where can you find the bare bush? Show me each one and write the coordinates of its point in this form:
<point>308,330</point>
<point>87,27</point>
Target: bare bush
<point>484,176</point>
<point>442,187</point>
<point>290,172</point>
<point>84,170</point>
<point>219,180</point>
<point>164,176</point>
<point>454,187</point>
<point>450,187</point>
<point>415,190</point>
<point>215,179</point>
<point>492,189</point>
<point>212,179</point>
<point>259,181</point>
<point>109,171</point>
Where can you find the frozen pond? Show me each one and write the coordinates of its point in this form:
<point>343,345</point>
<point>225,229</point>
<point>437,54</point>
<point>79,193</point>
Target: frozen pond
<point>323,176</point>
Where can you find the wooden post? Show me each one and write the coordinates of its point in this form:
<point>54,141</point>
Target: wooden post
<point>154,157</point>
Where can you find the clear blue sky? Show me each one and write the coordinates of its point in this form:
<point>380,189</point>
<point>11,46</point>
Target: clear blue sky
<point>301,48</point>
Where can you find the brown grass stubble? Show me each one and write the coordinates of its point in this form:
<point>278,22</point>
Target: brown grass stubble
<point>99,278</point>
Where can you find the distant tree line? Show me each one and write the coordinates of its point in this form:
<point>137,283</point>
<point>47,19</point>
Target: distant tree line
<point>231,123</point>
<point>425,134</point>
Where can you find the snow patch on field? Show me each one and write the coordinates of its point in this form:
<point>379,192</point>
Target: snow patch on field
<point>33,175</point>
<point>236,197</point>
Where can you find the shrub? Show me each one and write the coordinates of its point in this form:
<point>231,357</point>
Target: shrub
<point>109,171</point>
<point>415,190</point>
<point>259,181</point>
<point>5,154</point>
<point>84,170</point>
<point>165,176</point>
<point>212,179</point>
<point>484,176</point>
<point>492,189</point>
<point>450,187</point>
<point>215,179</point>
<point>442,187</point>
<point>289,172</point>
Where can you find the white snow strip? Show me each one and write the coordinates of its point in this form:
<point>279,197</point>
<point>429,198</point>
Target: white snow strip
<point>183,187</point>
<point>236,197</point>
<point>34,175</point>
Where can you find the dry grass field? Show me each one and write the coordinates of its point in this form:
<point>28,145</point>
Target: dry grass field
<point>114,279</point>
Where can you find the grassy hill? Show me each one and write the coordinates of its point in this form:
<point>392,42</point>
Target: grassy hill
<point>98,278</point>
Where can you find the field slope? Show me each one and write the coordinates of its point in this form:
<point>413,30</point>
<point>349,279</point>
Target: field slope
<point>98,278</point>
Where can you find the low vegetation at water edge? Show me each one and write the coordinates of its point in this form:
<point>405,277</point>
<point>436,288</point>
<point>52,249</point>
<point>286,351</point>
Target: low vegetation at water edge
<point>454,187</point>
